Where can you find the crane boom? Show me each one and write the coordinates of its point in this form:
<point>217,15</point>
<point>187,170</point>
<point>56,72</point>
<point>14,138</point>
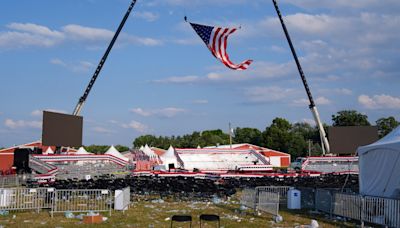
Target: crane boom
<point>82,99</point>
<point>313,108</point>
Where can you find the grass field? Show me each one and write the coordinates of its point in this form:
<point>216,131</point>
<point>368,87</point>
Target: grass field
<point>146,213</point>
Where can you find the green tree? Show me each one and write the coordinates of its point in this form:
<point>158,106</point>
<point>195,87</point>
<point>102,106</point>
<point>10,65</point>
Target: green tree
<point>247,135</point>
<point>97,149</point>
<point>297,146</point>
<point>150,140</point>
<point>350,118</point>
<point>121,148</point>
<point>308,133</point>
<point>277,135</point>
<point>213,138</point>
<point>386,125</point>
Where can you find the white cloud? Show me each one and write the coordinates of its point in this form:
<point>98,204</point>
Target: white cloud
<point>168,112</point>
<point>146,41</point>
<point>343,4</point>
<point>322,101</point>
<point>141,112</point>
<point>318,101</point>
<point>81,66</point>
<point>179,80</point>
<point>136,126</point>
<point>58,62</point>
<point>379,101</point>
<point>14,124</point>
<point>200,101</point>
<point>28,34</point>
<point>267,94</point>
<point>148,16</point>
<point>80,32</point>
<point>102,130</point>
<point>38,112</point>
<point>256,71</point>
<point>35,29</point>
<point>309,121</point>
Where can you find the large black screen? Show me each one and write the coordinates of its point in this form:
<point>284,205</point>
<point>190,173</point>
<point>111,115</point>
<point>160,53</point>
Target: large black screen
<point>61,129</point>
<point>346,140</point>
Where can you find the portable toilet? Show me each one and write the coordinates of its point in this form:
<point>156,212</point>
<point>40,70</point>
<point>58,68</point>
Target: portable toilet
<point>294,199</point>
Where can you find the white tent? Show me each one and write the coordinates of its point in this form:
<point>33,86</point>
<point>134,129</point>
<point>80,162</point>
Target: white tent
<point>149,152</point>
<point>49,151</point>
<point>169,158</point>
<point>114,152</point>
<point>82,150</point>
<point>379,165</point>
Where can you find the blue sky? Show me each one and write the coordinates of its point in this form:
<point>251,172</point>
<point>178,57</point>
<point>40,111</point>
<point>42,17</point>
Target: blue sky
<point>160,78</point>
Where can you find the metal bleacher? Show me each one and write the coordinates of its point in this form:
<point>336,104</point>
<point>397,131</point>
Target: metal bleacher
<point>80,170</point>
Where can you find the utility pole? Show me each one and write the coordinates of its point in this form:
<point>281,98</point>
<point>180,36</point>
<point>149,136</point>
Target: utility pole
<point>230,135</point>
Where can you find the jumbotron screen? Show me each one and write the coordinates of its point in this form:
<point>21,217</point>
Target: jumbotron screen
<point>346,140</point>
<point>61,129</point>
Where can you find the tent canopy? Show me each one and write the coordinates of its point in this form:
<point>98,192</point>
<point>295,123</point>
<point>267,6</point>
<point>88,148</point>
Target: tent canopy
<point>49,151</point>
<point>169,157</point>
<point>82,150</point>
<point>379,165</point>
<point>114,152</point>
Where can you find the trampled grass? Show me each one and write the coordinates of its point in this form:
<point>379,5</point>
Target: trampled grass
<point>148,212</point>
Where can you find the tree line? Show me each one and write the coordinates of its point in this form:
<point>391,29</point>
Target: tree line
<point>297,139</point>
<point>101,149</point>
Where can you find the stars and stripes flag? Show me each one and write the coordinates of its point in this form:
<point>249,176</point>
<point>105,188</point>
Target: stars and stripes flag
<point>216,40</point>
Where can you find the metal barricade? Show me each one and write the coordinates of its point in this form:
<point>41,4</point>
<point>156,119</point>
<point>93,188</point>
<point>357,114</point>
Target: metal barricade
<point>307,197</point>
<point>10,181</point>
<point>82,200</point>
<point>347,205</point>
<point>122,199</point>
<point>26,198</point>
<point>369,209</point>
<point>281,190</point>
<point>323,200</point>
<point>268,202</point>
<point>248,198</point>
<point>381,211</point>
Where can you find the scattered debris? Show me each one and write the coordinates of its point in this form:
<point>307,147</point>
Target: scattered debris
<point>69,214</point>
<point>4,212</point>
<point>278,219</point>
<point>314,224</point>
<point>158,201</point>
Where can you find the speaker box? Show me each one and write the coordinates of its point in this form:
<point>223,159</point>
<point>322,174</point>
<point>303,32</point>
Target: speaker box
<point>21,160</point>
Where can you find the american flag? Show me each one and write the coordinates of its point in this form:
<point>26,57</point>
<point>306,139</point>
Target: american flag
<point>216,40</point>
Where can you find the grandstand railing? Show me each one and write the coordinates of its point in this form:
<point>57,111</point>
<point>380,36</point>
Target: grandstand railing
<point>260,157</point>
<point>41,166</point>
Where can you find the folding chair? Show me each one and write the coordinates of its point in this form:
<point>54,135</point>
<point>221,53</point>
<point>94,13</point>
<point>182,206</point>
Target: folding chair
<point>209,217</point>
<point>181,218</point>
